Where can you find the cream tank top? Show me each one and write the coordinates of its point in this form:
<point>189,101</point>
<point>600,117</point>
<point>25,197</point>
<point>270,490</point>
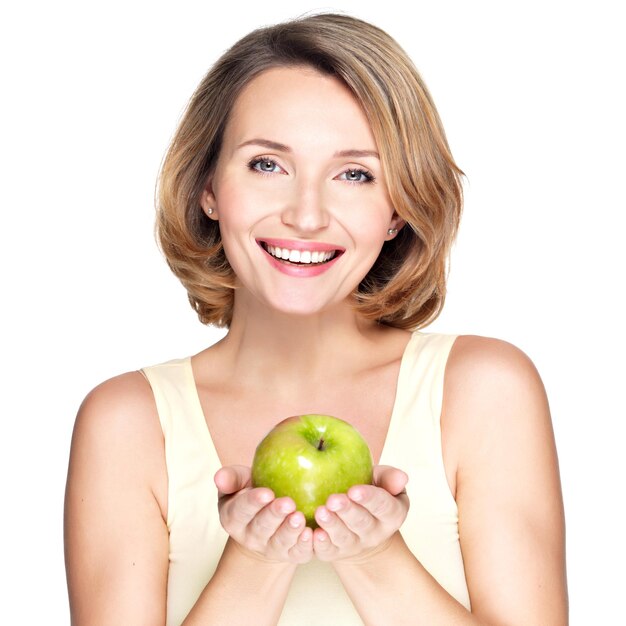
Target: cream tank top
<point>413,444</point>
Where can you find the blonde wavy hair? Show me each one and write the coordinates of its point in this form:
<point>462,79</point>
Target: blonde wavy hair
<point>406,286</point>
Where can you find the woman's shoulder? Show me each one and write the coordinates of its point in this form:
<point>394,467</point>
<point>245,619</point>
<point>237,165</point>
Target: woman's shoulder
<point>486,348</point>
<point>117,433</point>
<point>125,394</point>
<point>492,392</point>
<point>119,410</point>
<point>479,355</point>
<point>475,357</point>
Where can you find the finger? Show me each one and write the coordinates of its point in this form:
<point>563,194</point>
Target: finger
<point>303,550</point>
<point>243,507</point>
<point>291,529</point>
<point>390,479</point>
<point>356,518</point>
<point>323,547</point>
<point>339,534</point>
<point>232,478</point>
<point>268,520</point>
<point>286,537</point>
<point>380,503</point>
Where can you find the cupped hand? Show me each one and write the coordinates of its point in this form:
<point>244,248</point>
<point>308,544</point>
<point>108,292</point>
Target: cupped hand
<point>361,522</point>
<point>266,527</point>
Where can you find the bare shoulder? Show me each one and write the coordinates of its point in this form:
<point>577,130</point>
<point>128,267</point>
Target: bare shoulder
<point>494,400</point>
<point>498,437</point>
<point>478,357</point>
<point>489,378</point>
<point>118,420</point>
<point>127,393</point>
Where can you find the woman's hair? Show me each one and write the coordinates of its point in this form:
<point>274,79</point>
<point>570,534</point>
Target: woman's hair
<point>406,286</point>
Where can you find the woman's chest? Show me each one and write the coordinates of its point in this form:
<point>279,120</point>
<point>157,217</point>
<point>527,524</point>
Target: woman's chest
<point>237,420</point>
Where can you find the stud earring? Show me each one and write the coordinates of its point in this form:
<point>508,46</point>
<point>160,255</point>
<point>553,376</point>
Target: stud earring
<point>209,211</point>
<point>392,231</point>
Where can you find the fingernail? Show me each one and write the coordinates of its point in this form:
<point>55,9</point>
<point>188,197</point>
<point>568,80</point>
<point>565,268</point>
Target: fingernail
<point>324,515</point>
<point>286,508</point>
<point>335,505</point>
<point>356,495</point>
<point>294,522</point>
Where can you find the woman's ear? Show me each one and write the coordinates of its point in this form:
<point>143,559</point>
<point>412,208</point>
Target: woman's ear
<point>208,201</point>
<point>395,225</point>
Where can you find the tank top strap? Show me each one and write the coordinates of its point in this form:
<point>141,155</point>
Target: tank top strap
<point>414,436</point>
<point>189,450</point>
<point>414,445</point>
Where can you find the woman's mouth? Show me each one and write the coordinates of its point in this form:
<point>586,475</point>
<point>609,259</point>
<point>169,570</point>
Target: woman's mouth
<point>300,257</point>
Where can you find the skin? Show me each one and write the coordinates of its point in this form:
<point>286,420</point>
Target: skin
<point>295,344</point>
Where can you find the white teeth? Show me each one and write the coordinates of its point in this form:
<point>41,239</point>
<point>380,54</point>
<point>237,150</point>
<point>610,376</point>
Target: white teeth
<point>300,256</point>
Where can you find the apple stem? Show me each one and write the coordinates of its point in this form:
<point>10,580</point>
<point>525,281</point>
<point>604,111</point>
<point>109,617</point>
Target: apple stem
<point>321,445</point>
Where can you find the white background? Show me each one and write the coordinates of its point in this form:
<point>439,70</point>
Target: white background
<point>531,95</point>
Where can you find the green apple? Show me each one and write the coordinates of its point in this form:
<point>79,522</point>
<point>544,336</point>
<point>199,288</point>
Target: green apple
<point>308,458</point>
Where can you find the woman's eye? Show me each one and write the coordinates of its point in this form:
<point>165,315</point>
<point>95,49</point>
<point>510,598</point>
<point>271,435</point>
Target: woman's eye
<point>263,165</point>
<point>358,175</point>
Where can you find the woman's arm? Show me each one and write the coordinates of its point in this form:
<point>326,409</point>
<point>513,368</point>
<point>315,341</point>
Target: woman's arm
<point>511,519</point>
<point>116,537</point>
<point>116,541</point>
<point>243,591</point>
<point>497,427</point>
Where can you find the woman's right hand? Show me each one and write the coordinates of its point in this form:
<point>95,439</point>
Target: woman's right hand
<point>266,527</point>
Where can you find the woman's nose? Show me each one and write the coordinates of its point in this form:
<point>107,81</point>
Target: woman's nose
<point>305,210</point>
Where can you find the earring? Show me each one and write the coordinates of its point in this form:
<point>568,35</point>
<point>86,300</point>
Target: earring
<point>209,211</point>
<point>392,231</point>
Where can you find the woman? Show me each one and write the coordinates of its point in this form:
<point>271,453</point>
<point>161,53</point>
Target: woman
<point>308,203</point>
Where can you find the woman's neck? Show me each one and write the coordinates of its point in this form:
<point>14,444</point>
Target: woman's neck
<point>264,344</point>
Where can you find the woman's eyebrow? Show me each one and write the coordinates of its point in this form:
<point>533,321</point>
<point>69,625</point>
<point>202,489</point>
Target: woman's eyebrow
<point>274,145</point>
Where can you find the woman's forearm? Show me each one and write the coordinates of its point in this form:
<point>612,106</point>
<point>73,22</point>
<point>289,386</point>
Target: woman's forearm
<point>244,590</point>
<point>405,593</point>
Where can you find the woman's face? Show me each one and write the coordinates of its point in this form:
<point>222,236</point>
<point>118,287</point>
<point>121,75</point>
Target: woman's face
<point>298,192</point>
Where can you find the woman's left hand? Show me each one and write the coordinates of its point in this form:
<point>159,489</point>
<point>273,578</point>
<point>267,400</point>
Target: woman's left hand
<point>362,522</point>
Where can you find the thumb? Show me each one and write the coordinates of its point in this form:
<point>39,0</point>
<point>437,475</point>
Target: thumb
<point>232,478</point>
<point>390,478</point>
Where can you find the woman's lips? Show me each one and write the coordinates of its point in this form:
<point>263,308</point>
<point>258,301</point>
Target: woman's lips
<point>300,258</point>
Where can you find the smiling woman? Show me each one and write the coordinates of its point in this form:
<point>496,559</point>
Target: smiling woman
<point>303,202</point>
<point>316,227</point>
<point>405,145</point>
